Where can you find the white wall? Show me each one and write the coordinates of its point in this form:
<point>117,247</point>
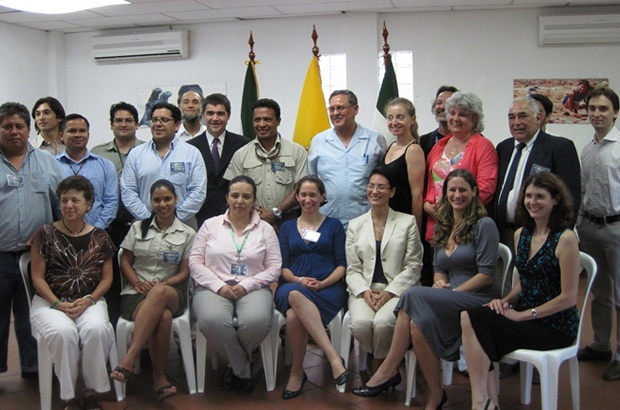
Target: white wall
<point>479,51</point>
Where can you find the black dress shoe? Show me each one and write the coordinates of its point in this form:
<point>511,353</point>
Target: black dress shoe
<point>34,375</point>
<point>289,394</point>
<point>344,376</point>
<point>588,354</point>
<point>374,391</point>
<point>228,380</point>
<point>243,385</point>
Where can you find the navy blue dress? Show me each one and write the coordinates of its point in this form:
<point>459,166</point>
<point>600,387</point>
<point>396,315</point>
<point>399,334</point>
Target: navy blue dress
<point>314,260</point>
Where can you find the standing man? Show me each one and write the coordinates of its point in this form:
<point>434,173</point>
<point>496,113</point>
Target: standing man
<point>529,151</point>
<point>438,109</point>
<point>27,200</point>
<point>190,103</point>
<point>166,156</point>
<point>124,124</point>
<point>47,114</point>
<point>274,163</point>
<point>599,230</point>
<point>217,146</point>
<point>343,158</point>
<point>77,160</point>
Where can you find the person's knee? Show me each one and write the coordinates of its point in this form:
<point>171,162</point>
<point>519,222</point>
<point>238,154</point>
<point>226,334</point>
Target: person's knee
<point>166,317</point>
<point>61,333</point>
<point>465,321</point>
<point>295,298</point>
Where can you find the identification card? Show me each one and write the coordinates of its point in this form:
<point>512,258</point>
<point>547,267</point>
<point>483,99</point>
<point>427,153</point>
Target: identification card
<point>172,257</point>
<point>15,180</point>
<point>539,168</point>
<point>177,167</point>
<point>277,166</point>
<point>239,269</point>
<point>311,236</point>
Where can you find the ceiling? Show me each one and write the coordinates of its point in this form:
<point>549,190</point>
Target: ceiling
<point>147,13</point>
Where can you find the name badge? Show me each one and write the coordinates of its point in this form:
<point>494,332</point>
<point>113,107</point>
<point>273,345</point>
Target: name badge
<point>15,180</point>
<point>277,166</point>
<point>539,168</point>
<point>177,167</point>
<point>239,269</point>
<point>311,236</point>
<point>172,257</point>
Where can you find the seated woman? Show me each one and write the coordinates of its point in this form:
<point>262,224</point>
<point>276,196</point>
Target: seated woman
<point>235,257</point>
<point>311,291</point>
<point>544,315</point>
<point>466,244</point>
<point>71,271</point>
<point>384,256</point>
<point>155,265</point>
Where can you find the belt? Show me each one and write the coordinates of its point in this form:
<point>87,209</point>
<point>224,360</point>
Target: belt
<point>602,220</point>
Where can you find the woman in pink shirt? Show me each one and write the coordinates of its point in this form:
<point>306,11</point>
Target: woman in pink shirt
<point>235,257</point>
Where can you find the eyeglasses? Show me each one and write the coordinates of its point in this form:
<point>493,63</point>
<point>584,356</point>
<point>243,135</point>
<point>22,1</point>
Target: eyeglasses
<point>379,188</point>
<point>162,120</point>
<point>125,120</point>
<point>339,108</point>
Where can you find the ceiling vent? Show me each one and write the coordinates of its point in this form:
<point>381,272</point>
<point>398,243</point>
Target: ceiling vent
<point>578,29</point>
<point>163,45</point>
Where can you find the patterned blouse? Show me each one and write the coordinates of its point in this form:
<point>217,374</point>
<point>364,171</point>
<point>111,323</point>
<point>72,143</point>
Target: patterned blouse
<point>540,281</point>
<point>73,265</point>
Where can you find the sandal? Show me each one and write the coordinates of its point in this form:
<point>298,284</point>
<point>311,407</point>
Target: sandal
<point>120,374</point>
<point>165,391</point>
<point>92,402</point>
<point>73,404</point>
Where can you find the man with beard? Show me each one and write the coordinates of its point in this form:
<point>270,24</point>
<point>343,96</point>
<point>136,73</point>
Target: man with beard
<point>189,103</point>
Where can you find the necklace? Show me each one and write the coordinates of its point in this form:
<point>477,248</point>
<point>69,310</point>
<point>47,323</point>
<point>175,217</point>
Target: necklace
<point>70,231</point>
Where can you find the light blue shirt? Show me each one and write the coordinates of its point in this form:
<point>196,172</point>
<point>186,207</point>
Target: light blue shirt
<point>27,197</point>
<point>102,174</point>
<point>345,171</point>
<point>182,165</point>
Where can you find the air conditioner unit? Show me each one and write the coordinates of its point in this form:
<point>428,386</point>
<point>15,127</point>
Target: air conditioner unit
<point>578,29</point>
<point>141,46</point>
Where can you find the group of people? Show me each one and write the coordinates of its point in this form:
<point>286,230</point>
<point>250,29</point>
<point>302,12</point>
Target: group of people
<point>352,224</point>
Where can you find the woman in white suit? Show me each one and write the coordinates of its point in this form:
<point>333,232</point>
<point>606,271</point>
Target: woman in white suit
<point>384,257</point>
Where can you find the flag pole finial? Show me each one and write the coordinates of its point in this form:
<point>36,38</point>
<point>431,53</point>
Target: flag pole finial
<point>386,47</point>
<point>315,36</point>
<point>251,54</point>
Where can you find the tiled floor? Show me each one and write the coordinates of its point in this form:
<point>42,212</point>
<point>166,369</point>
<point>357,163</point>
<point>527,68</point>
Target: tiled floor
<point>319,393</point>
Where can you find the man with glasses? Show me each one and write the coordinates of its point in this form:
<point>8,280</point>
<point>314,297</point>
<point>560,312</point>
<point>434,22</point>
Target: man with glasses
<point>343,158</point>
<point>124,124</point>
<point>168,157</point>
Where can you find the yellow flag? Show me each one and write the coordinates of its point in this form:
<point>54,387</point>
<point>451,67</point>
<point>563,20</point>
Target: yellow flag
<point>312,113</point>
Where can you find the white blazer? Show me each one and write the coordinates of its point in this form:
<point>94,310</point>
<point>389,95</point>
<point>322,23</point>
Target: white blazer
<point>401,253</point>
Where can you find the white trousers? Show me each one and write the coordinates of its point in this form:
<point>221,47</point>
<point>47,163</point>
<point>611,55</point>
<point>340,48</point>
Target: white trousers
<point>373,330</point>
<point>92,331</point>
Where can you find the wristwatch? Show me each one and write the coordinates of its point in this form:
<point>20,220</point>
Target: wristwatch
<point>534,312</point>
<point>277,212</point>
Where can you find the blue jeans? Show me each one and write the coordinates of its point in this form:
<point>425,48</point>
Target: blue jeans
<point>13,295</point>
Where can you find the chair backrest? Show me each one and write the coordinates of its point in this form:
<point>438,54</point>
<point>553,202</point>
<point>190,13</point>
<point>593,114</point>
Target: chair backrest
<point>589,265</point>
<point>24,262</point>
<point>506,256</point>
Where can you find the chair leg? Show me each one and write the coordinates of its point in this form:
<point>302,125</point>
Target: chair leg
<point>180,326</point>
<point>201,359</point>
<point>549,377</point>
<point>45,374</point>
<point>113,359</point>
<point>525,376</point>
<point>411,362</point>
<point>574,381</point>
<point>446,372</point>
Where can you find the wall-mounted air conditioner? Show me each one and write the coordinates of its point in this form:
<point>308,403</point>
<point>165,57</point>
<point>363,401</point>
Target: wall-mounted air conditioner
<point>141,46</point>
<point>578,29</point>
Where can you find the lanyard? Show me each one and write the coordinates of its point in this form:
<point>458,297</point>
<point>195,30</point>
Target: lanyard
<point>78,170</point>
<point>234,238</point>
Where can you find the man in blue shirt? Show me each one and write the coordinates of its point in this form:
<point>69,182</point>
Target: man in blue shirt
<point>165,156</point>
<point>343,158</point>
<point>27,200</point>
<point>78,160</point>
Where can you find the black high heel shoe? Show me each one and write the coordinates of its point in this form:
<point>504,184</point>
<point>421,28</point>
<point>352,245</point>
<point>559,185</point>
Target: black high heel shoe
<point>289,394</point>
<point>443,401</point>
<point>374,391</point>
<point>490,403</point>
<point>342,379</point>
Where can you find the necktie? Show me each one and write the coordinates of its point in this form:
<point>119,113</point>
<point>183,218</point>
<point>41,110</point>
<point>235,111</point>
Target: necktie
<point>510,178</point>
<point>215,153</point>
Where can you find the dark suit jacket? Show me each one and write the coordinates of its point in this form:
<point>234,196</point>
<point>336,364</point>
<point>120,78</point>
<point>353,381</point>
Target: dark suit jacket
<point>557,154</point>
<point>217,186</point>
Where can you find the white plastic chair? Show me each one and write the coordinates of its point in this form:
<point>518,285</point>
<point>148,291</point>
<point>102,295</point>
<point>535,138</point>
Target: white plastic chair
<point>45,358</point>
<point>447,367</point>
<point>180,326</point>
<point>548,362</point>
<point>345,345</point>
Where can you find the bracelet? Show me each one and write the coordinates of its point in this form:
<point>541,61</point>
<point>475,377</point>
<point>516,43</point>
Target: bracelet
<point>55,304</point>
<point>93,301</point>
<point>299,281</point>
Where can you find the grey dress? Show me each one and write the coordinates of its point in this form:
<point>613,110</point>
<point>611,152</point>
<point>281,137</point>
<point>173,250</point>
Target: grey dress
<point>436,311</point>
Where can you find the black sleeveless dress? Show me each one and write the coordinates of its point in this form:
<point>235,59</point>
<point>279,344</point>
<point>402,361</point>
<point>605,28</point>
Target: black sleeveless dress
<point>401,201</point>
